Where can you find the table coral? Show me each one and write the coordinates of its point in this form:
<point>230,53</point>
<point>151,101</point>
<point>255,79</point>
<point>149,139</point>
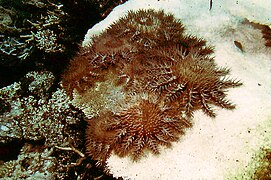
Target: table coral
<point>161,75</point>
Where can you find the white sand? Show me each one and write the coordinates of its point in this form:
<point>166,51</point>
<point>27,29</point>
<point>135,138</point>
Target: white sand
<point>217,148</point>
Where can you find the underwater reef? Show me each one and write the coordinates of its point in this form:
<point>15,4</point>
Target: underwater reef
<point>139,83</point>
<point>135,88</point>
<point>34,121</point>
<point>132,92</point>
<point>41,132</point>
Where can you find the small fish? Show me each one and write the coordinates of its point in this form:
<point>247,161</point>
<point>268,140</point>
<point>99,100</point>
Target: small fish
<point>238,45</point>
<point>211,5</point>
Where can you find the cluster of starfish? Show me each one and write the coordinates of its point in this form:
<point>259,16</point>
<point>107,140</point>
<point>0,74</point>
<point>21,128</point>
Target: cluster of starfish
<point>149,78</point>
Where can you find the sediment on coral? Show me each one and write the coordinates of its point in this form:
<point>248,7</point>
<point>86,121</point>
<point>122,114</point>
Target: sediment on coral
<point>140,81</point>
<point>258,167</point>
<point>265,29</point>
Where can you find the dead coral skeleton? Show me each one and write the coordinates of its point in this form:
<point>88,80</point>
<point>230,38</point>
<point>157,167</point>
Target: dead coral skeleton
<point>72,148</point>
<point>12,46</point>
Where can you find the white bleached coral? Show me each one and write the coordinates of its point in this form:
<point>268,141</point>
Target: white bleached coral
<point>211,148</point>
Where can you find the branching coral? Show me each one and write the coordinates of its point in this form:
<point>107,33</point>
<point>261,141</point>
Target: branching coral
<point>10,46</point>
<point>145,78</point>
<point>44,31</point>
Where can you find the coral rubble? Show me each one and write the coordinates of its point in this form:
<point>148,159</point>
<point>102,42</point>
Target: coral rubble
<point>139,83</point>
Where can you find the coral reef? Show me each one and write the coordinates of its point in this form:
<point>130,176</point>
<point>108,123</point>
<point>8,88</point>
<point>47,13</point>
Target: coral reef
<point>42,134</point>
<point>31,162</point>
<point>28,116</point>
<point>38,84</point>
<point>36,25</point>
<point>37,34</point>
<point>139,83</point>
<point>11,46</point>
<point>32,114</point>
<point>45,34</point>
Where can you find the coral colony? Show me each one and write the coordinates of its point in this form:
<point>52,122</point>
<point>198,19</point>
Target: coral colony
<point>145,79</point>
